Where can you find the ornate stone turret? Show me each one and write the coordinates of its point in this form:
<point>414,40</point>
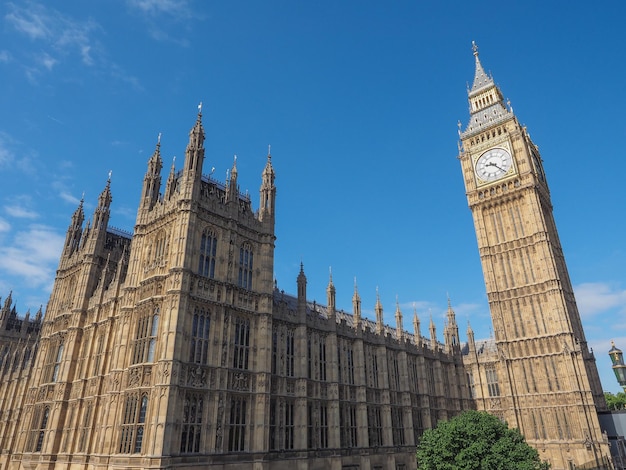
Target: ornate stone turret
<point>232,188</point>
<point>399,334</point>
<point>194,155</point>
<point>170,186</point>
<point>356,307</point>
<point>330,296</point>
<point>470,337</point>
<point>152,179</point>
<point>268,191</point>
<point>74,231</point>
<point>302,293</point>
<point>378,308</point>
<point>416,326</point>
<point>103,210</point>
<point>433,334</point>
<point>451,331</point>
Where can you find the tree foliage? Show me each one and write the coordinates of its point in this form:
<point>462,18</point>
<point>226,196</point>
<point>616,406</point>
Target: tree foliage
<point>476,441</point>
<point>615,402</point>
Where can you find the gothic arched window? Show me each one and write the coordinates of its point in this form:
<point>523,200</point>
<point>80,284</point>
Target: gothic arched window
<point>200,327</point>
<point>245,266</point>
<point>208,252</point>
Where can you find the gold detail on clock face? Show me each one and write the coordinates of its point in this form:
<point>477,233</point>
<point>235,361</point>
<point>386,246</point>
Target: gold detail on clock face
<point>493,165</point>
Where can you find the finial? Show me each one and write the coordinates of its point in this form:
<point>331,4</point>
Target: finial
<point>235,159</point>
<point>200,108</point>
<point>269,150</point>
<point>82,198</point>
<point>159,139</point>
<point>475,48</point>
<point>173,160</point>
<point>330,272</point>
<point>110,173</point>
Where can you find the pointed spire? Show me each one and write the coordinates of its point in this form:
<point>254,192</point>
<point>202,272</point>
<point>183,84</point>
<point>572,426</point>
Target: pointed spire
<point>330,294</point>
<point>356,306</point>
<point>74,231</point>
<point>232,193</point>
<point>268,190</point>
<point>433,333</point>
<point>398,320</point>
<point>416,325</point>
<point>470,336</point>
<point>102,212</point>
<point>302,291</point>
<point>170,186</point>
<point>486,101</point>
<point>378,308</point>
<point>152,179</point>
<point>194,155</point>
<point>481,79</point>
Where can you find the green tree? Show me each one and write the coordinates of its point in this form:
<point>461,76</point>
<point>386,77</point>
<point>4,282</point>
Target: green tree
<point>615,402</point>
<point>476,440</point>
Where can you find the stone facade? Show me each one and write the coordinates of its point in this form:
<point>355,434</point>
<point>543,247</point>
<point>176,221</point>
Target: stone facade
<point>173,347</point>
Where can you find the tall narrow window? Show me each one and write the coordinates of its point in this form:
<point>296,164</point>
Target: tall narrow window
<point>200,326</point>
<point>208,253</point>
<point>322,348</point>
<point>43,424</point>
<point>347,421</point>
<point>237,429</point>
<point>289,353</point>
<point>86,427</point>
<point>192,423</point>
<point>397,425</point>
<point>289,425</point>
<point>133,422</point>
<point>145,338</point>
<point>350,365</point>
<point>492,382</point>
<point>375,426</point>
<point>274,351</point>
<point>241,342</point>
<point>57,363</point>
<point>470,383</point>
<point>245,266</point>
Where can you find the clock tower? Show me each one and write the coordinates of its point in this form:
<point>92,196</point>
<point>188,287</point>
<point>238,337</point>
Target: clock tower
<point>541,378</point>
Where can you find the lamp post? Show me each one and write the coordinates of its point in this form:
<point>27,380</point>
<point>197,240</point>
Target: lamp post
<point>619,368</point>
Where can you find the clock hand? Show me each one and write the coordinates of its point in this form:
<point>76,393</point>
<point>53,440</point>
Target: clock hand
<point>493,164</point>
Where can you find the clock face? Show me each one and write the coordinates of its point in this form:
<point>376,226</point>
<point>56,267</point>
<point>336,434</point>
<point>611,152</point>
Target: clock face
<point>493,164</point>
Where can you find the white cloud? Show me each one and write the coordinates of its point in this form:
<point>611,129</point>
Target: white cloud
<point>47,61</point>
<point>4,225</point>
<point>20,212</point>
<point>179,8</point>
<point>61,35</point>
<point>31,21</point>
<point>598,297</point>
<point>32,255</point>
<point>5,56</point>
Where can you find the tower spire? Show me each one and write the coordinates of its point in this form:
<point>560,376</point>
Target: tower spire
<point>481,79</point>
<point>194,155</point>
<point>356,306</point>
<point>379,314</point>
<point>487,106</point>
<point>152,179</point>
<point>268,190</point>
<point>330,294</point>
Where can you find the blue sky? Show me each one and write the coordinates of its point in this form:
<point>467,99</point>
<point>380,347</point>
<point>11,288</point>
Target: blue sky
<point>360,101</point>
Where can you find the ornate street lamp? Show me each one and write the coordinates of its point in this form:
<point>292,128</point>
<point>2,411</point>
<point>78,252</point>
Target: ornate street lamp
<point>619,368</point>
